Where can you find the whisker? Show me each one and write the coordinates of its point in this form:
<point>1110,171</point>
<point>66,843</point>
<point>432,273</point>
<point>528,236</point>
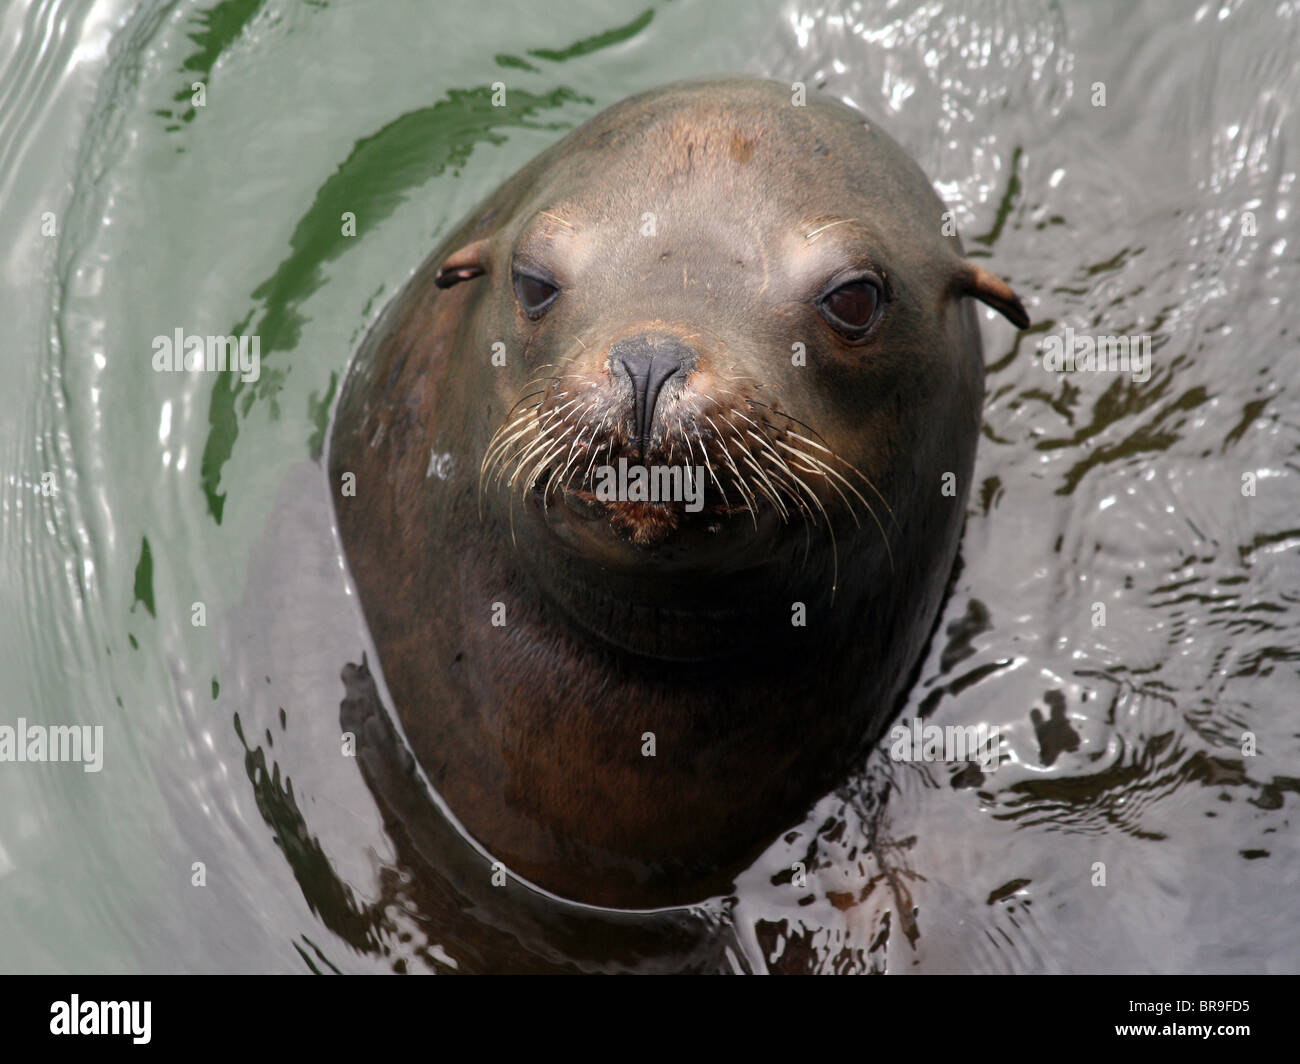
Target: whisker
<point>865,479</point>
<point>759,471</point>
<point>740,484</point>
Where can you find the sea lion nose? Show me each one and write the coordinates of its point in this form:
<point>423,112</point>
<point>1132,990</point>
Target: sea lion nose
<point>649,363</point>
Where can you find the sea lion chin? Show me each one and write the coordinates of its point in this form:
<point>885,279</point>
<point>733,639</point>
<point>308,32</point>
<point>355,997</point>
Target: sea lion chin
<point>625,691</point>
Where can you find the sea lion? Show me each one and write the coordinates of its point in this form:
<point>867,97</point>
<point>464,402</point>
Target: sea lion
<point>622,699</point>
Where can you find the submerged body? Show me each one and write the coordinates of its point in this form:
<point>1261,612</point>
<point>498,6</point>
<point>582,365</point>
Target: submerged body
<point>624,699</point>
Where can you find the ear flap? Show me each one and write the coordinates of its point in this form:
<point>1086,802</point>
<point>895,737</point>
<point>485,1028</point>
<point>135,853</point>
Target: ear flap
<point>463,265</point>
<point>991,290</point>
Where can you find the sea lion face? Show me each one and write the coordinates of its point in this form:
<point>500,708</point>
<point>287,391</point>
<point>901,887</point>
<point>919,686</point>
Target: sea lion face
<point>737,298</point>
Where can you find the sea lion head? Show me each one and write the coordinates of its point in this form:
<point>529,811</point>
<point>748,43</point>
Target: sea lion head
<point>624,697</point>
<point>755,308</point>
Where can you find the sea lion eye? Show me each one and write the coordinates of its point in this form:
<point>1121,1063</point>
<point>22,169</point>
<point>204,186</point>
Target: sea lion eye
<point>851,308</point>
<point>535,294</point>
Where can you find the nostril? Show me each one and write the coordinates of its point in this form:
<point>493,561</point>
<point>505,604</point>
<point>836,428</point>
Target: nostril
<point>648,369</point>
<point>648,374</point>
